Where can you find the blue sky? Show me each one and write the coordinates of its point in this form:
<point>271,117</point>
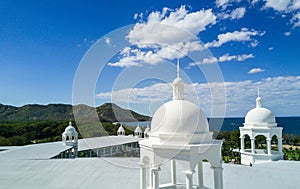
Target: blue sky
<point>254,43</point>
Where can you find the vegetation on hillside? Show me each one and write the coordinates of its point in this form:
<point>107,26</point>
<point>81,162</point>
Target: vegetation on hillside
<point>107,112</point>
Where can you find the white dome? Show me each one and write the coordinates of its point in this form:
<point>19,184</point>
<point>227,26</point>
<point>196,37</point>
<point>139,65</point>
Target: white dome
<point>260,116</point>
<point>121,129</point>
<point>179,116</point>
<point>70,129</point>
<point>138,130</point>
<point>147,130</point>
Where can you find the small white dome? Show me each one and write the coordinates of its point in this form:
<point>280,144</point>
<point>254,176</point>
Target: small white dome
<point>260,116</point>
<point>138,129</point>
<point>70,129</point>
<point>179,116</point>
<point>121,129</point>
<point>147,130</point>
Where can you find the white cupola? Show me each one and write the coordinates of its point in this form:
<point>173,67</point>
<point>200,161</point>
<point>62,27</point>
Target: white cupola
<point>121,131</point>
<point>138,132</point>
<point>70,136</point>
<point>260,121</point>
<point>179,131</point>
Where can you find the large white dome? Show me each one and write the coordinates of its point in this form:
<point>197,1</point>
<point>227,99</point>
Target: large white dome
<point>179,116</point>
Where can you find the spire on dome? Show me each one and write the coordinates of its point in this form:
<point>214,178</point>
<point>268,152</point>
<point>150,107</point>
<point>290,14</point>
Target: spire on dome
<point>178,85</point>
<point>70,122</point>
<point>258,99</point>
<point>178,68</point>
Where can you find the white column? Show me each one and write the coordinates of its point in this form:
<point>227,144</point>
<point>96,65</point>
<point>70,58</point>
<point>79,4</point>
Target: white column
<point>242,143</point>
<point>279,141</point>
<point>142,176</point>
<point>189,179</point>
<point>155,178</point>
<point>173,171</point>
<point>269,146</point>
<point>218,180</point>
<point>151,178</point>
<point>200,174</point>
<point>253,145</point>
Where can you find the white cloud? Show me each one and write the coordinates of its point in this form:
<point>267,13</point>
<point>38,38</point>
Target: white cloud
<point>222,3</point>
<point>271,48</point>
<point>287,33</point>
<point>296,20</point>
<point>150,32</point>
<point>179,27</point>
<point>278,5</point>
<point>235,14</point>
<point>238,13</point>
<point>278,93</point>
<point>255,70</point>
<point>226,57</point>
<point>223,58</point>
<point>237,36</point>
<point>244,57</point>
<point>286,8</point>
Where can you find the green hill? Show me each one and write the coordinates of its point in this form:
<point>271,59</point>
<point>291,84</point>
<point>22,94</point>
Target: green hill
<point>107,112</point>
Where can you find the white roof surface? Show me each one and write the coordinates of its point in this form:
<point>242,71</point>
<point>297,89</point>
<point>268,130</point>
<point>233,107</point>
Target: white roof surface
<point>35,151</point>
<point>20,169</point>
<point>101,142</point>
<point>51,149</point>
<point>103,172</point>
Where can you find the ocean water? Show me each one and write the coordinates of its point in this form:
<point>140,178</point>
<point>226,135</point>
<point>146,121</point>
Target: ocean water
<point>290,125</point>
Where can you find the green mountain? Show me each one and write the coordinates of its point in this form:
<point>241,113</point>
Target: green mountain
<point>107,112</point>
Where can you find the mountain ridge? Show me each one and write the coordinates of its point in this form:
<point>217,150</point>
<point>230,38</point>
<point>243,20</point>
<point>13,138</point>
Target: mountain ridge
<point>107,112</point>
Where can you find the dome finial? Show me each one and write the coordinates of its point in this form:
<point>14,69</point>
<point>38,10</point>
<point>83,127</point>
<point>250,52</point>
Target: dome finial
<point>178,68</point>
<point>178,85</point>
<point>258,99</point>
<point>70,122</point>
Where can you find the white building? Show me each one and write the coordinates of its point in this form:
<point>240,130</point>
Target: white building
<point>179,134</point>
<point>260,121</point>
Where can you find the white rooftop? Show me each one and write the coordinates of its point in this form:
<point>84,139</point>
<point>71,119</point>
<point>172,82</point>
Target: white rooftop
<point>101,142</point>
<point>103,173</point>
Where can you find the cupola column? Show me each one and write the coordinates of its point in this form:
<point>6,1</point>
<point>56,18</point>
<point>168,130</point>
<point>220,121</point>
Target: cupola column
<point>279,142</point>
<point>218,180</point>
<point>189,179</point>
<point>253,145</point>
<point>173,172</point>
<point>155,177</point>
<point>269,146</point>
<point>142,176</point>
<point>242,143</point>
<point>200,174</point>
